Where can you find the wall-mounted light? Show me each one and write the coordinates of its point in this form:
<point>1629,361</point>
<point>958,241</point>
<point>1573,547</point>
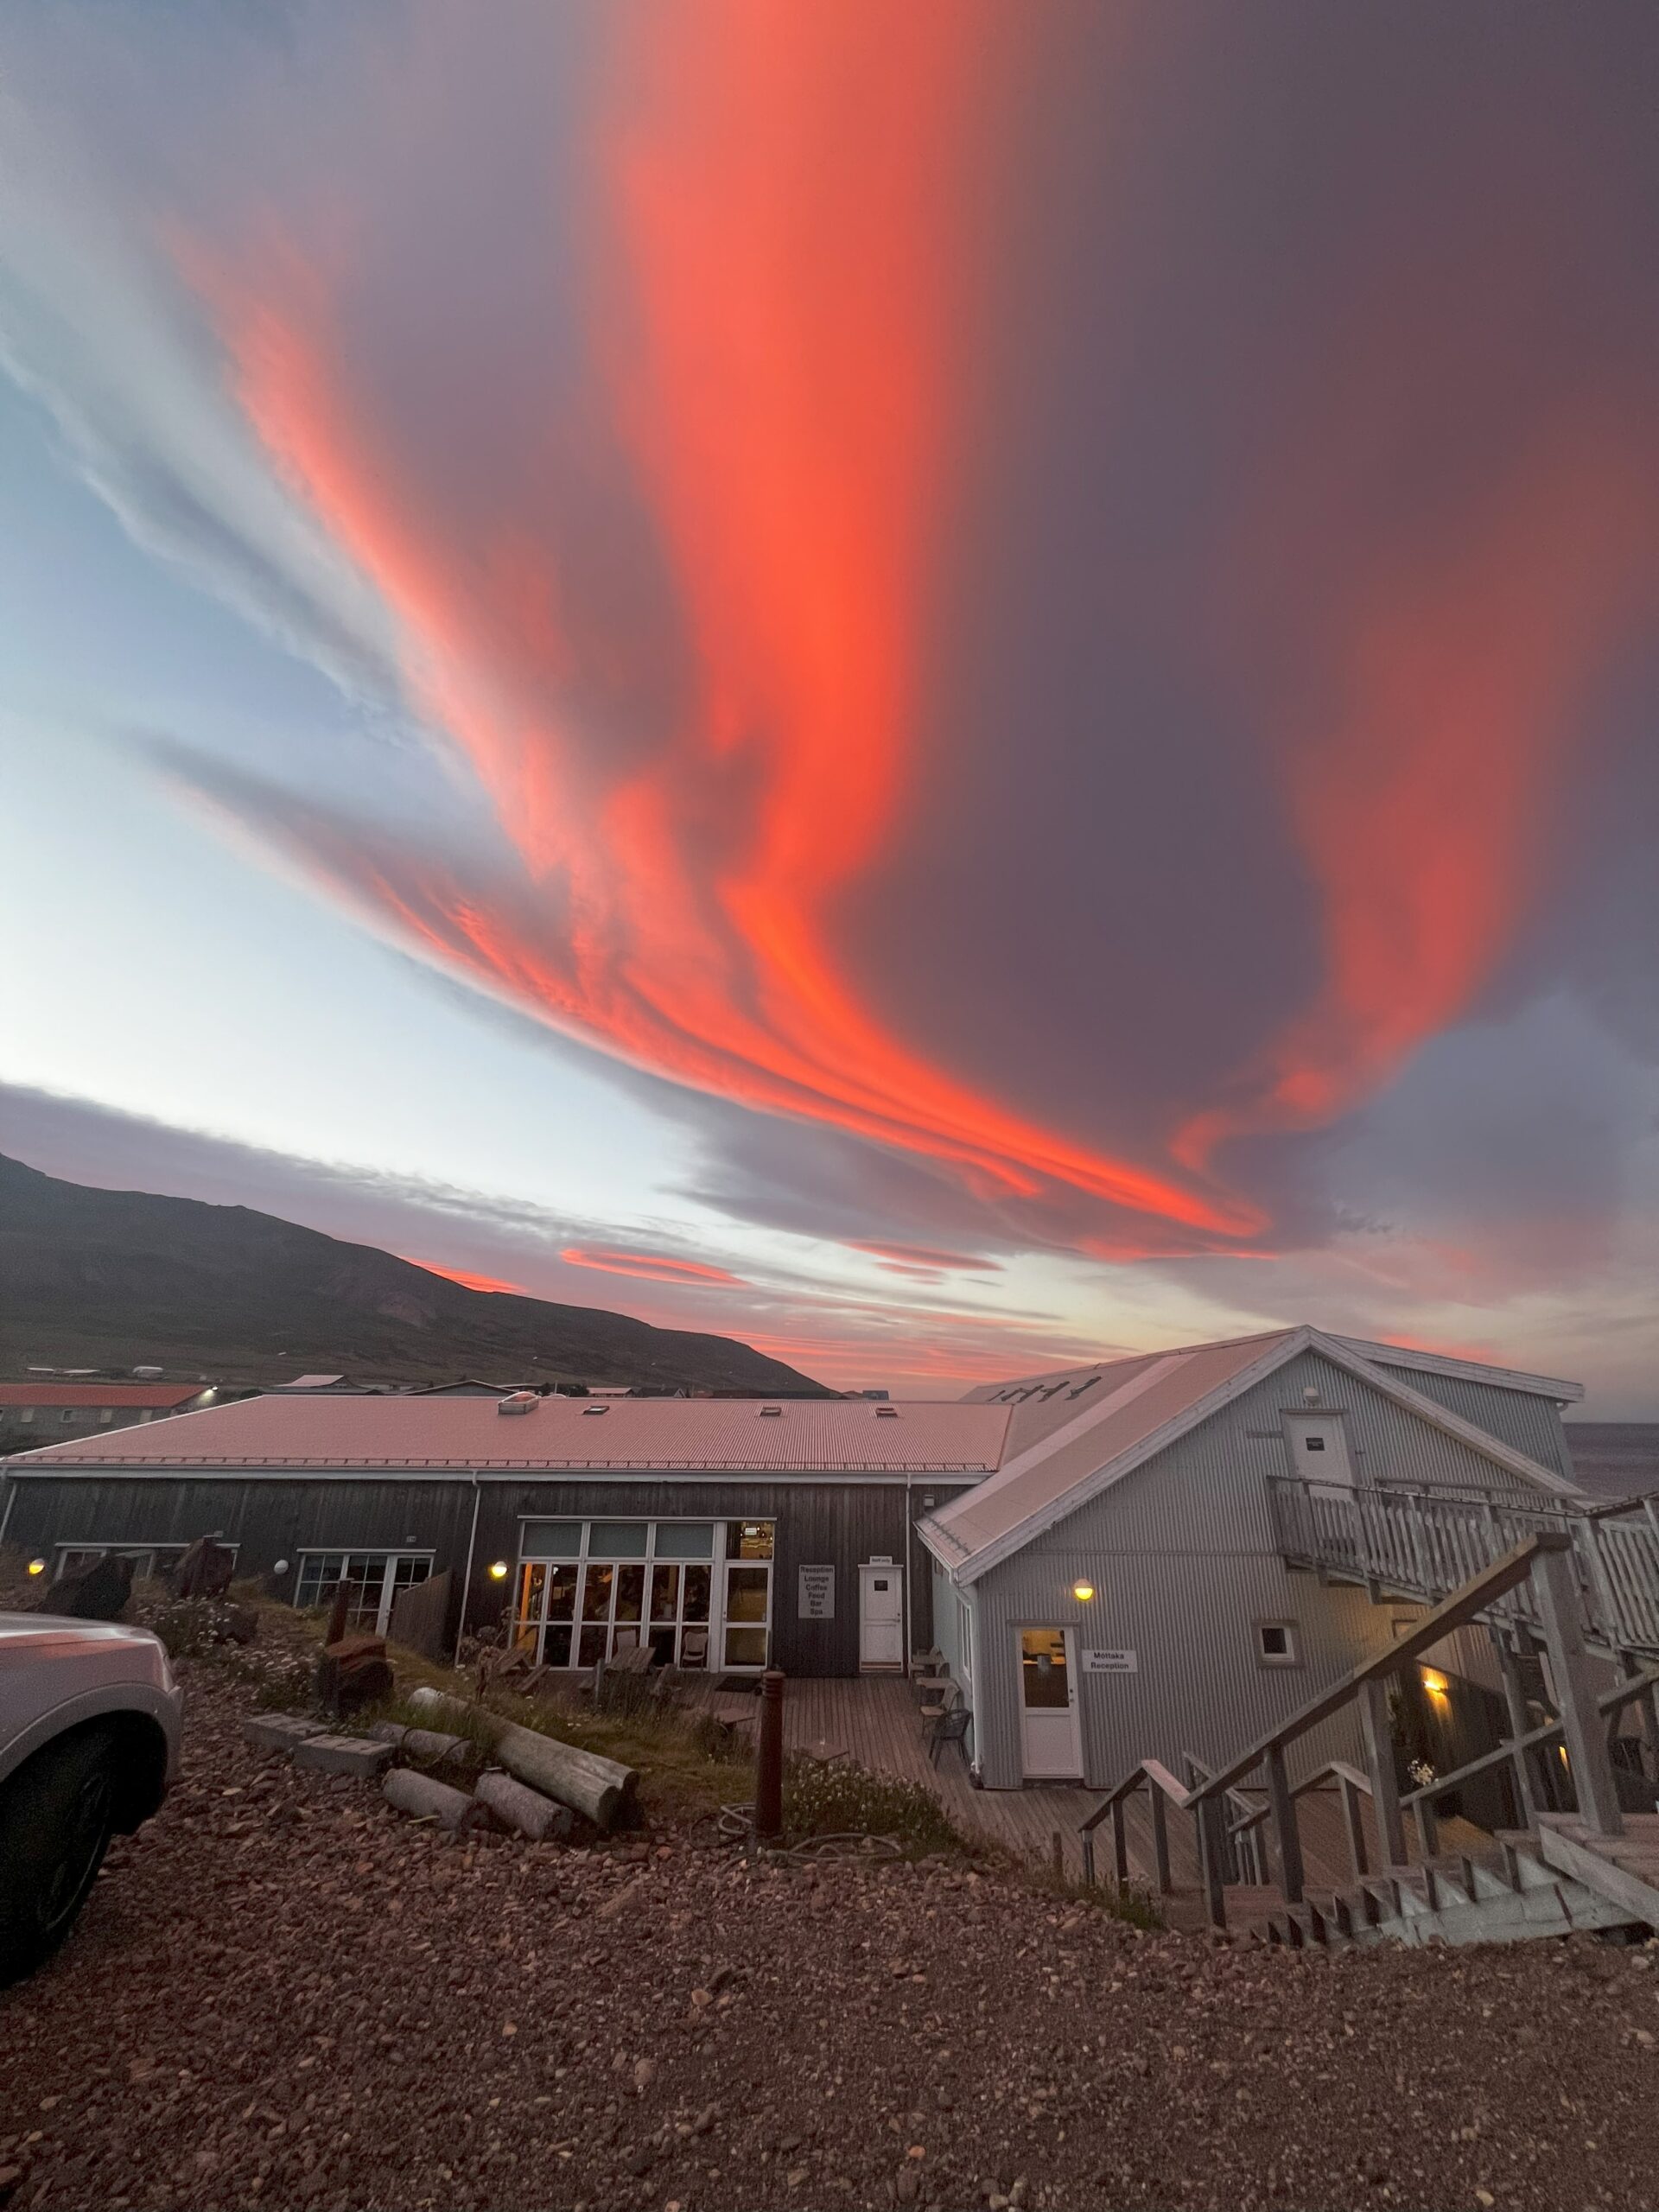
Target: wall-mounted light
<point>497,1570</point>
<point>1435,1682</point>
<point>281,1568</point>
<point>1082,1591</point>
<point>1311,1394</point>
<point>37,1567</point>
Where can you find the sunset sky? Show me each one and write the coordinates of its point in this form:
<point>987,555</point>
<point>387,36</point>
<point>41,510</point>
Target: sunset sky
<point>947,687</point>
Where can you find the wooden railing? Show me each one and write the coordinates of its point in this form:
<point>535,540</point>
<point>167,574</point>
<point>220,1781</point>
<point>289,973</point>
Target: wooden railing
<point>1425,1544</point>
<point>1544,1565</point>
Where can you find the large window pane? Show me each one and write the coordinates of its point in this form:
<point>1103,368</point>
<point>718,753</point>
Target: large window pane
<point>746,1647</point>
<point>699,1581</point>
<point>596,1596</point>
<point>555,1651</point>
<point>630,1593</point>
<point>746,1592</point>
<point>665,1593</point>
<point>533,1583</point>
<point>748,1539</point>
<point>617,1540</point>
<point>551,1540</point>
<point>593,1647</point>
<point>685,1540</point>
<point>562,1593</point>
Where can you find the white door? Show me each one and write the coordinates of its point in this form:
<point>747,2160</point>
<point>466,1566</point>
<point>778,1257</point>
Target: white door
<point>1318,1449</point>
<point>881,1617</point>
<point>1051,1737</point>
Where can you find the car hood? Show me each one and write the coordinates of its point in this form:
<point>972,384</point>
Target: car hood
<point>18,1632</point>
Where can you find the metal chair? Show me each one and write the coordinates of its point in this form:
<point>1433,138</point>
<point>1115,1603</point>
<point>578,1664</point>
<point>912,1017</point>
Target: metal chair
<point>950,1728</point>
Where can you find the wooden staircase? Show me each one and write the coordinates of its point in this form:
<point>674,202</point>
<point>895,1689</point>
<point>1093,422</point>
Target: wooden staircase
<point>1596,1869</point>
<point>1514,1896</point>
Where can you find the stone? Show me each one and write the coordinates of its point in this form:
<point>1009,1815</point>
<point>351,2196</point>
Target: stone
<point>205,1571</point>
<point>97,1592</point>
<point>279,1732</point>
<point>359,1755</point>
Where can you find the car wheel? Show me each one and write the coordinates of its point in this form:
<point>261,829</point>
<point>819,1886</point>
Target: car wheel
<point>56,1813</point>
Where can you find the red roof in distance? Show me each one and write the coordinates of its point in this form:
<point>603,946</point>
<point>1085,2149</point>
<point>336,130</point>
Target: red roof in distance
<point>47,1393</point>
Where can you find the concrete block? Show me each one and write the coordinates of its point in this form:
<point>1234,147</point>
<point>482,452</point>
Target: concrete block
<point>279,1732</point>
<point>359,1755</point>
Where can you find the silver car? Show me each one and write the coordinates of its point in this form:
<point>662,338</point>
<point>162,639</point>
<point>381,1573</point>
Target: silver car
<point>89,1746</point>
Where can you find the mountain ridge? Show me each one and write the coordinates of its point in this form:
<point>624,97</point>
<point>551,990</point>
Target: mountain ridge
<point>118,1278</point>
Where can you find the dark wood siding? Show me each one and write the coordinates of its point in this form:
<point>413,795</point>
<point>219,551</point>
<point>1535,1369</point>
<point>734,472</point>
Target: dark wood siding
<point>270,1517</point>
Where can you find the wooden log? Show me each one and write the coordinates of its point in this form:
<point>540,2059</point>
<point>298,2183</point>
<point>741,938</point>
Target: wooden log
<point>598,1788</point>
<point>419,1795</point>
<point>523,1810</point>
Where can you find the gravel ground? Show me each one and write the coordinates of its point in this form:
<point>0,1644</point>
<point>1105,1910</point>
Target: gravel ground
<point>280,1994</point>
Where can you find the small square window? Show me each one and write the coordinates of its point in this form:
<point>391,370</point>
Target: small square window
<point>1277,1644</point>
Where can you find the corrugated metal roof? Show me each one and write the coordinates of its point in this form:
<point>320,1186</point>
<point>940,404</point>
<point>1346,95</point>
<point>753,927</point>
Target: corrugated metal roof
<point>1135,1399</point>
<point>832,1434</point>
<point>98,1394</point>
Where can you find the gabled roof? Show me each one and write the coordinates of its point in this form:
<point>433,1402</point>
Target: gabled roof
<point>740,1434</point>
<point>1468,1370</point>
<point>1142,1406</point>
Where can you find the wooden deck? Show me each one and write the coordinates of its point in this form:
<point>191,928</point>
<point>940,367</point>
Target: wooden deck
<point>874,1720</point>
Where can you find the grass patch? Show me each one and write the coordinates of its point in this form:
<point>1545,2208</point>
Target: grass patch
<point>833,1797</point>
<point>1135,1908</point>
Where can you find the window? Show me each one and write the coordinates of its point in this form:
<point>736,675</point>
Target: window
<point>588,1590</point>
<point>964,1642</point>
<point>106,1417</point>
<point>26,1413</point>
<point>374,1580</point>
<point>68,1413</point>
<point>146,1558</point>
<point>1277,1644</point>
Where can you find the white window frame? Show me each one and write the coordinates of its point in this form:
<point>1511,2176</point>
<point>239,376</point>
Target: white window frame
<point>1290,1656</point>
<point>584,1555</point>
<point>390,1560</point>
<point>142,1554</point>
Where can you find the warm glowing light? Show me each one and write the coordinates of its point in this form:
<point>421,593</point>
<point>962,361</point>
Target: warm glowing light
<point>497,1570</point>
<point>1083,1591</point>
<point>37,1567</point>
<point>1435,1682</point>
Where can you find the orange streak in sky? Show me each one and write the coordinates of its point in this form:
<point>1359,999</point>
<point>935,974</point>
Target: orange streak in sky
<point>470,1281</point>
<point>691,1273</point>
<point>785,186</point>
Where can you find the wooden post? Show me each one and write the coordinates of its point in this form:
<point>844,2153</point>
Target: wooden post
<point>1594,1783</point>
<point>769,1758</point>
<point>1428,1829</point>
<point>1057,1854</point>
<point>1089,1857</point>
<point>1379,1765</point>
<point>1160,1841</point>
<point>1515,1697</point>
<point>1211,1813</point>
<point>1354,1825</point>
<point>1291,1878</point>
<point>1647,1711</point>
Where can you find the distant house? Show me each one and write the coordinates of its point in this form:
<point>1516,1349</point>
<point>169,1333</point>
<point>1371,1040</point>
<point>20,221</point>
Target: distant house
<point>46,1410</point>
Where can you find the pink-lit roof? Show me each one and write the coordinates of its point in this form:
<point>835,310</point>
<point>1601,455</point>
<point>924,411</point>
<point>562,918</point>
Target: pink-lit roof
<point>804,1433</point>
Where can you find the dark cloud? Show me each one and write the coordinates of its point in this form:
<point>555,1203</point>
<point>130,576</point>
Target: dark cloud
<point>1061,672</point>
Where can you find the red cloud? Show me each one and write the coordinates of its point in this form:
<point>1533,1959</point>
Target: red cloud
<point>786,300</point>
<point>652,1266</point>
<point>924,1255</point>
<point>467,1281</point>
